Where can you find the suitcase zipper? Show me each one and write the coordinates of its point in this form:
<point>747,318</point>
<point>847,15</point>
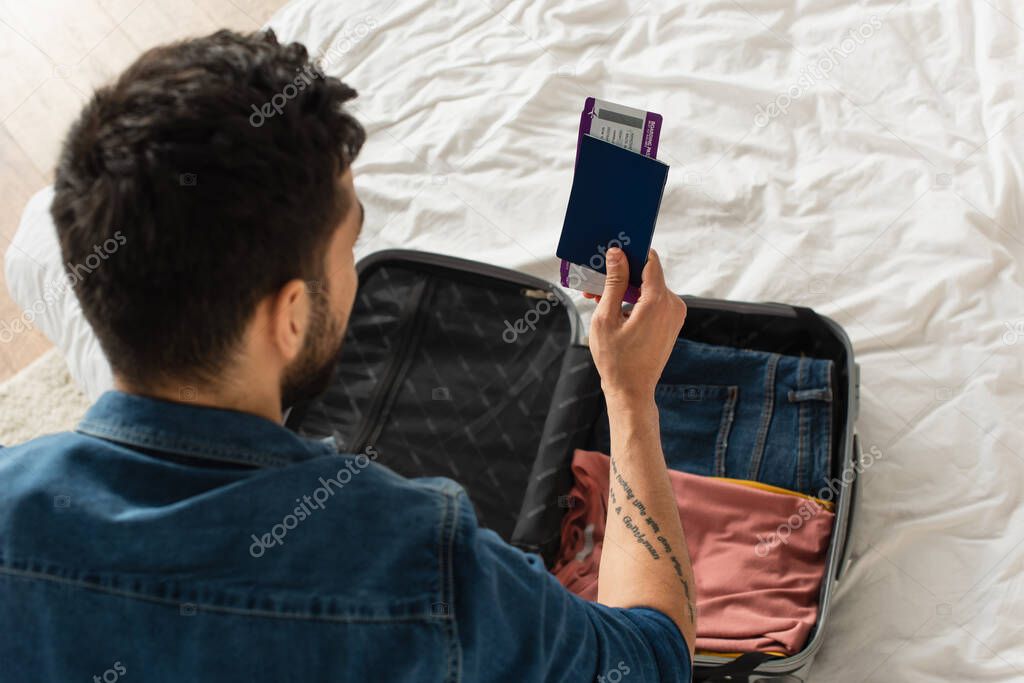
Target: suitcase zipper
<point>408,334</point>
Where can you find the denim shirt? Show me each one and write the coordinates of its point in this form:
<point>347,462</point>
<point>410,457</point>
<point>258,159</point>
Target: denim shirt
<point>169,542</point>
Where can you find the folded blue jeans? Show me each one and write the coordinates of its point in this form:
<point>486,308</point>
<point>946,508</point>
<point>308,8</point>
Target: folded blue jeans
<point>729,412</point>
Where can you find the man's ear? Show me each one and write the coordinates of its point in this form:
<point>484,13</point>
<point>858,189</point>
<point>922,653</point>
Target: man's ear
<point>289,318</point>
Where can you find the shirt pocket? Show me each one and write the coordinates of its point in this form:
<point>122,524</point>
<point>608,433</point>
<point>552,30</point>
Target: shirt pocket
<point>696,420</point>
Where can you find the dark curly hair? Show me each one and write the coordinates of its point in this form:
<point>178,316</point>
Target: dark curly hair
<point>211,206</point>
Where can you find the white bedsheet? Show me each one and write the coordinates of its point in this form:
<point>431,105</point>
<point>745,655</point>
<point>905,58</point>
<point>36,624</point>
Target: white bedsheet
<point>887,196</point>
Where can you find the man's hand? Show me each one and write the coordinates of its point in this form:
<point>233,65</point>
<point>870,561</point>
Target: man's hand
<point>630,352</point>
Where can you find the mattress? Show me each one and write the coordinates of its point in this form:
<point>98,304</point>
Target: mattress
<point>863,160</point>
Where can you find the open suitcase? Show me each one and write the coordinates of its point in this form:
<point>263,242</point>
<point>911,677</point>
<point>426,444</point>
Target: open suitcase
<point>462,369</point>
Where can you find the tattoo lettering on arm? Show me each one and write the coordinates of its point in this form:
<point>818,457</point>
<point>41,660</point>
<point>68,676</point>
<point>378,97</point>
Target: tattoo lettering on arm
<point>640,536</point>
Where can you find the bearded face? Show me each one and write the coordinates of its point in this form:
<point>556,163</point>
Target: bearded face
<point>310,373</point>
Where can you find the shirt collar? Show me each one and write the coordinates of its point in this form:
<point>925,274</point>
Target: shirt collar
<point>197,431</point>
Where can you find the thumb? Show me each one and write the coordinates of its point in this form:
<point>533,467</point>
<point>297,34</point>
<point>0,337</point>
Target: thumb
<point>616,280</point>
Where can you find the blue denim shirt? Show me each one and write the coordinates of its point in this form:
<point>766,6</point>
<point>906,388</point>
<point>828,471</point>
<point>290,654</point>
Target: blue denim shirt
<point>168,542</point>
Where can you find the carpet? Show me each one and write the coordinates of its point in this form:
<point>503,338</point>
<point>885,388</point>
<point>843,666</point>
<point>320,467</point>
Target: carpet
<point>40,399</point>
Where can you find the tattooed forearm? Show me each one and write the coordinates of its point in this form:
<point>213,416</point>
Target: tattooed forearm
<point>626,489</point>
<point>690,602</point>
<point>640,536</point>
<point>663,548</point>
<point>686,589</point>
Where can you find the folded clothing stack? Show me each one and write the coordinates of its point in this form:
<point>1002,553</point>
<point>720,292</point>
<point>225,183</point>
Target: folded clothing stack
<point>758,554</point>
<point>747,437</point>
<point>728,412</point>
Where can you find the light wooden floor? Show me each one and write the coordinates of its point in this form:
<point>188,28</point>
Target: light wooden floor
<point>52,54</point>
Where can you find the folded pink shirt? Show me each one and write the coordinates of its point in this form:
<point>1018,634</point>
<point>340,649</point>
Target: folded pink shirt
<point>758,554</point>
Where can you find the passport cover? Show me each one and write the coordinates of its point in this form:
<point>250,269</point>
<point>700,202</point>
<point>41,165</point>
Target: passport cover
<point>615,198</point>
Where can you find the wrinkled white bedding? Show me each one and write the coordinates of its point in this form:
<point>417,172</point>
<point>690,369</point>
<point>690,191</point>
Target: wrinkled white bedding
<point>875,176</point>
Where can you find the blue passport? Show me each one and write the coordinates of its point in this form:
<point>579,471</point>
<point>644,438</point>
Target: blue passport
<point>614,202</point>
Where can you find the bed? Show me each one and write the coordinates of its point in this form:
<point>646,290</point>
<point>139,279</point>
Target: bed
<point>863,160</point>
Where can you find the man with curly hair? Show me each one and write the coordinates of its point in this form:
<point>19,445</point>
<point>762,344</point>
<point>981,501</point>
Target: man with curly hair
<point>181,533</point>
